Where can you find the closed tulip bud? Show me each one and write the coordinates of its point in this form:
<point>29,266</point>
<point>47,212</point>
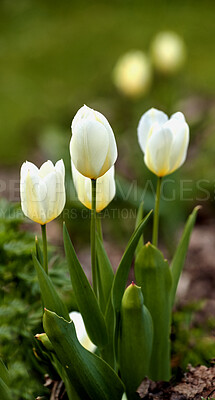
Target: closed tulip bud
<point>105,189</point>
<point>93,146</point>
<point>135,339</point>
<point>163,141</point>
<point>81,332</point>
<point>42,337</point>
<point>42,191</point>
<point>168,52</point>
<point>132,74</point>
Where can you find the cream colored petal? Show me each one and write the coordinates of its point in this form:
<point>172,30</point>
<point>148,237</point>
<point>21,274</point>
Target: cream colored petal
<point>89,147</point>
<point>59,166</point>
<point>50,203</point>
<point>112,151</point>
<point>105,189</point>
<point>33,198</point>
<point>26,167</point>
<point>82,187</point>
<point>148,119</point>
<point>61,193</point>
<point>81,332</point>
<point>180,143</point>
<point>83,114</point>
<point>46,168</point>
<point>158,149</point>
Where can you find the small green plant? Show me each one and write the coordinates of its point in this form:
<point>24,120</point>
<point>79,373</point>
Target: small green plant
<point>20,305</point>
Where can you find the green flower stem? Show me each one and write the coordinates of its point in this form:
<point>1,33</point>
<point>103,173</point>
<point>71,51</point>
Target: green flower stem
<point>99,227</point>
<point>156,213</point>
<point>93,236</point>
<point>45,253</point>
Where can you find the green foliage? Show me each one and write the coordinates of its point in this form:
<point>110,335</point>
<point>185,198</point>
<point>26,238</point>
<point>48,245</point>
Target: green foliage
<point>153,275</point>
<point>20,303</point>
<point>85,297</point>
<point>135,339</point>
<point>192,342</point>
<point>91,376</point>
<point>51,299</point>
<point>181,252</point>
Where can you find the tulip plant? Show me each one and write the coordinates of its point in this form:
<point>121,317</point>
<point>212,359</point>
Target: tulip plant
<point>118,335</point>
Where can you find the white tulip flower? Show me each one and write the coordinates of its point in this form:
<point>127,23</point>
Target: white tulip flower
<point>93,146</point>
<point>168,52</point>
<point>132,74</point>
<point>163,141</point>
<point>81,332</point>
<point>105,188</point>
<point>42,191</point>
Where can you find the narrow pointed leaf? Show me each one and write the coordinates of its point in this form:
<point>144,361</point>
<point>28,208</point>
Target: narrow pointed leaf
<point>50,297</point>
<point>4,391</point>
<point>180,254</point>
<point>4,374</point>
<point>91,377</point>
<point>153,274</point>
<point>122,272</point>
<point>39,253</point>
<point>86,300</point>
<point>138,220</point>
<point>105,272</point>
<point>108,352</point>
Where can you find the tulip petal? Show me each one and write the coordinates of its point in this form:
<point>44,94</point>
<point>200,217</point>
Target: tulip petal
<point>112,152</point>
<point>59,166</point>
<point>105,188</point>
<point>46,168</point>
<point>93,146</point>
<point>35,195</point>
<point>180,130</point>
<point>158,151</point>
<point>81,332</point>
<point>82,114</point>
<point>148,119</point>
<point>28,167</point>
<point>42,191</point>
<point>89,148</point>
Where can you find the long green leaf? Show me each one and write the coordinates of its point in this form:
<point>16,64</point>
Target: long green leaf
<point>4,374</point>
<point>86,300</point>
<point>122,272</point>
<point>108,353</point>
<point>4,391</point>
<point>50,297</point>
<point>180,254</point>
<point>153,274</point>
<point>91,377</point>
<point>106,274</point>
<point>138,220</point>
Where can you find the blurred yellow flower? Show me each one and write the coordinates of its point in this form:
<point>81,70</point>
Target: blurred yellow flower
<point>168,52</point>
<point>132,74</point>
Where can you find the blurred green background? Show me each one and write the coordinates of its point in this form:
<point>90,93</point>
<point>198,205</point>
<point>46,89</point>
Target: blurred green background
<point>56,56</point>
